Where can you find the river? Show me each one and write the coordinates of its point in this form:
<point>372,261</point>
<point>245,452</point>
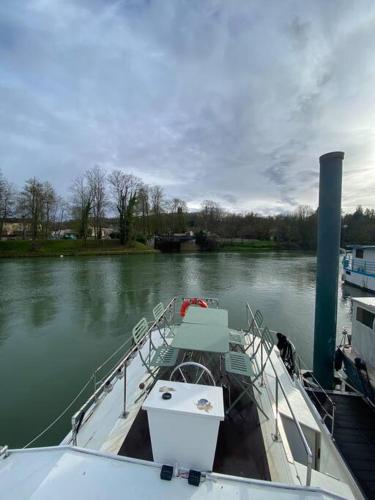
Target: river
<point>60,318</point>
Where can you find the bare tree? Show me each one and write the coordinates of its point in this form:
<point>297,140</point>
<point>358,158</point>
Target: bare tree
<point>61,213</point>
<point>7,200</point>
<point>96,179</point>
<point>30,205</point>
<point>178,209</point>
<point>143,206</point>
<point>157,206</point>
<point>124,188</point>
<point>211,215</point>
<point>82,203</point>
<point>49,207</point>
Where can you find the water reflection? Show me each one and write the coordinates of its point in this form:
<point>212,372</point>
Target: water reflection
<point>59,318</point>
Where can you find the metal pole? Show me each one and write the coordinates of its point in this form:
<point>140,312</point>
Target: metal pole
<point>262,362</point>
<point>124,413</point>
<point>309,467</point>
<point>94,378</point>
<point>329,228</point>
<point>277,411</point>
<point>74,430</point>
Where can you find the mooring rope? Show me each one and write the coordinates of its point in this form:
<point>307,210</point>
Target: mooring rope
<point>93,377</point>
<point>61,414</point>
<point>128,341</point>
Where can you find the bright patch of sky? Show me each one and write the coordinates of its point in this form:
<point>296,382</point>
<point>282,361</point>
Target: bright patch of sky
<point>212,99</point>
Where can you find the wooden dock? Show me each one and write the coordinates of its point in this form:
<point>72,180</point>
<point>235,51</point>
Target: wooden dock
<point>354,432</point>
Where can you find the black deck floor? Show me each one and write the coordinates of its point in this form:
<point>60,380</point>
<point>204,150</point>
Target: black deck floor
<point>240,450</point>
<point>354,433</point>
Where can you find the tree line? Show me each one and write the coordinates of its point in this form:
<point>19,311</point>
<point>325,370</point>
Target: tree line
<point>137,211</point>
<point>96,199</point>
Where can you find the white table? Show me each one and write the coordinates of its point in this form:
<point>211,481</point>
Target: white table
<point>208,316</point>
<point>204,338</point>
<point>184,429</point>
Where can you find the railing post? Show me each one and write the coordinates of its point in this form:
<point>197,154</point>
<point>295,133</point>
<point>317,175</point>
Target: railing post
<point>309,468</point>
<point>74,430</point>
<point>276,436</point>
<point>94,378</point>
<point>261,362</point>
<point>124,413</point>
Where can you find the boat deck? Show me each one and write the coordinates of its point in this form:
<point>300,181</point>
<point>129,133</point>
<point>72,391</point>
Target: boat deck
<point>354,433</point>
<point>240,449</point>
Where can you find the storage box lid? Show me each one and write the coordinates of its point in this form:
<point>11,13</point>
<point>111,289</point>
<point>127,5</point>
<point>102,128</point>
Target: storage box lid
<point>190,399</point>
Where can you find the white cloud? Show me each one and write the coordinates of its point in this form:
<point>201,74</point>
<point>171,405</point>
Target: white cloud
<point>233,101</point>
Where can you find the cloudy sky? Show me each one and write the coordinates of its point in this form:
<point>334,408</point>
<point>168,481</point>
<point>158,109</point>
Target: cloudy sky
<point>230,100</point>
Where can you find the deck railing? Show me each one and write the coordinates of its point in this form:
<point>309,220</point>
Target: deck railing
<point>320,396</point>
<point>118,371</point>
<point>210,300</point>
<point>101,379</point>
<point>279,387</point>
<point>102,384</point>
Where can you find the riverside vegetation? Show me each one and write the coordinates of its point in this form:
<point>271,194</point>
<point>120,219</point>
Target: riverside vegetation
<point>121,206</point>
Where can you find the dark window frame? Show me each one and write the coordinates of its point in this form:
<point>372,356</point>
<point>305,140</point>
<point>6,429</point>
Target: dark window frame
<point>365,317</point>
<point>359,253</point>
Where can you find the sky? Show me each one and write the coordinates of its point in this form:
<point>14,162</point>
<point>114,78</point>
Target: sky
<point>228,100</point>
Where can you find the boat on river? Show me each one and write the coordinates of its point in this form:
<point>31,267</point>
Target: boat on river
<point>355,356</point>
<point>359,267</point>
<point>194,409</point>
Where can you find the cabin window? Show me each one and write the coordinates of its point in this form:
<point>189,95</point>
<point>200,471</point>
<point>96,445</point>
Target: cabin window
<point>359,253</point>
<point>365,317</point>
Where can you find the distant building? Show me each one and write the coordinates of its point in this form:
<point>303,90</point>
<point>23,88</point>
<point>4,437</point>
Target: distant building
<point>64,234</point>
<point>16,228</point>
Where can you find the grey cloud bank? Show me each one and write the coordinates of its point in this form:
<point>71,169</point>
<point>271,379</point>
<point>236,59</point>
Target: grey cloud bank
<point>229,100</point>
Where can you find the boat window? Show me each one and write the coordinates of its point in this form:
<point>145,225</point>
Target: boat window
<point>365,317</point>
<point>359,253</point>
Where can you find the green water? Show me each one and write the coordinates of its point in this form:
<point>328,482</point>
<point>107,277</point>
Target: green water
<point>59,318</point>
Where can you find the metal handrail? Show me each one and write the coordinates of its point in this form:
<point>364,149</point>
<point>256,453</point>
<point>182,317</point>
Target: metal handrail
<point>77,418</point>
<point>99,386</point>
<point>321,406</point>
<point>127,343</point>
<point>321,390</point>
<point>279,385</point>
<point>299,361</point>
<point>209,300</point>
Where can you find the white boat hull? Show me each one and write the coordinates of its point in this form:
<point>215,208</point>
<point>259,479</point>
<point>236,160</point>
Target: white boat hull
<point>361,280</point>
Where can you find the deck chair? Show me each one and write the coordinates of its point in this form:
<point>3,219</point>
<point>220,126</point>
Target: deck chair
<point>239,338</point>
<point>238,367</point>
<point>157,357</point>
<point>245,364</point>
<point>159,317</point>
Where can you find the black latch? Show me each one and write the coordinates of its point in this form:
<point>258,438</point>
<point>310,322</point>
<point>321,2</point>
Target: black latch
<point>194,477</point>
<point>166,472</point>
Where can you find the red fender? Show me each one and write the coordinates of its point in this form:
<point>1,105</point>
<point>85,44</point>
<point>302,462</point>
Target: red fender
<point>187,302</point>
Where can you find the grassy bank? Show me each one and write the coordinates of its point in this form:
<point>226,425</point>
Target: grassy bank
<point>249,246</point>
<point>53,248</point>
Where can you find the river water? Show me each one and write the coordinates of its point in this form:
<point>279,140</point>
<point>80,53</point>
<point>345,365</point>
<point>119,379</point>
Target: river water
<point>60,318</point>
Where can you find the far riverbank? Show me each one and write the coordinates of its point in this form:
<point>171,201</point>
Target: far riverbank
<point>75,248</point>
<point>71,248</point>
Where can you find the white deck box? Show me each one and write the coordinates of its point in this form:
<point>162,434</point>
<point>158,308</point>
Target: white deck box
<point>184,429</point>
